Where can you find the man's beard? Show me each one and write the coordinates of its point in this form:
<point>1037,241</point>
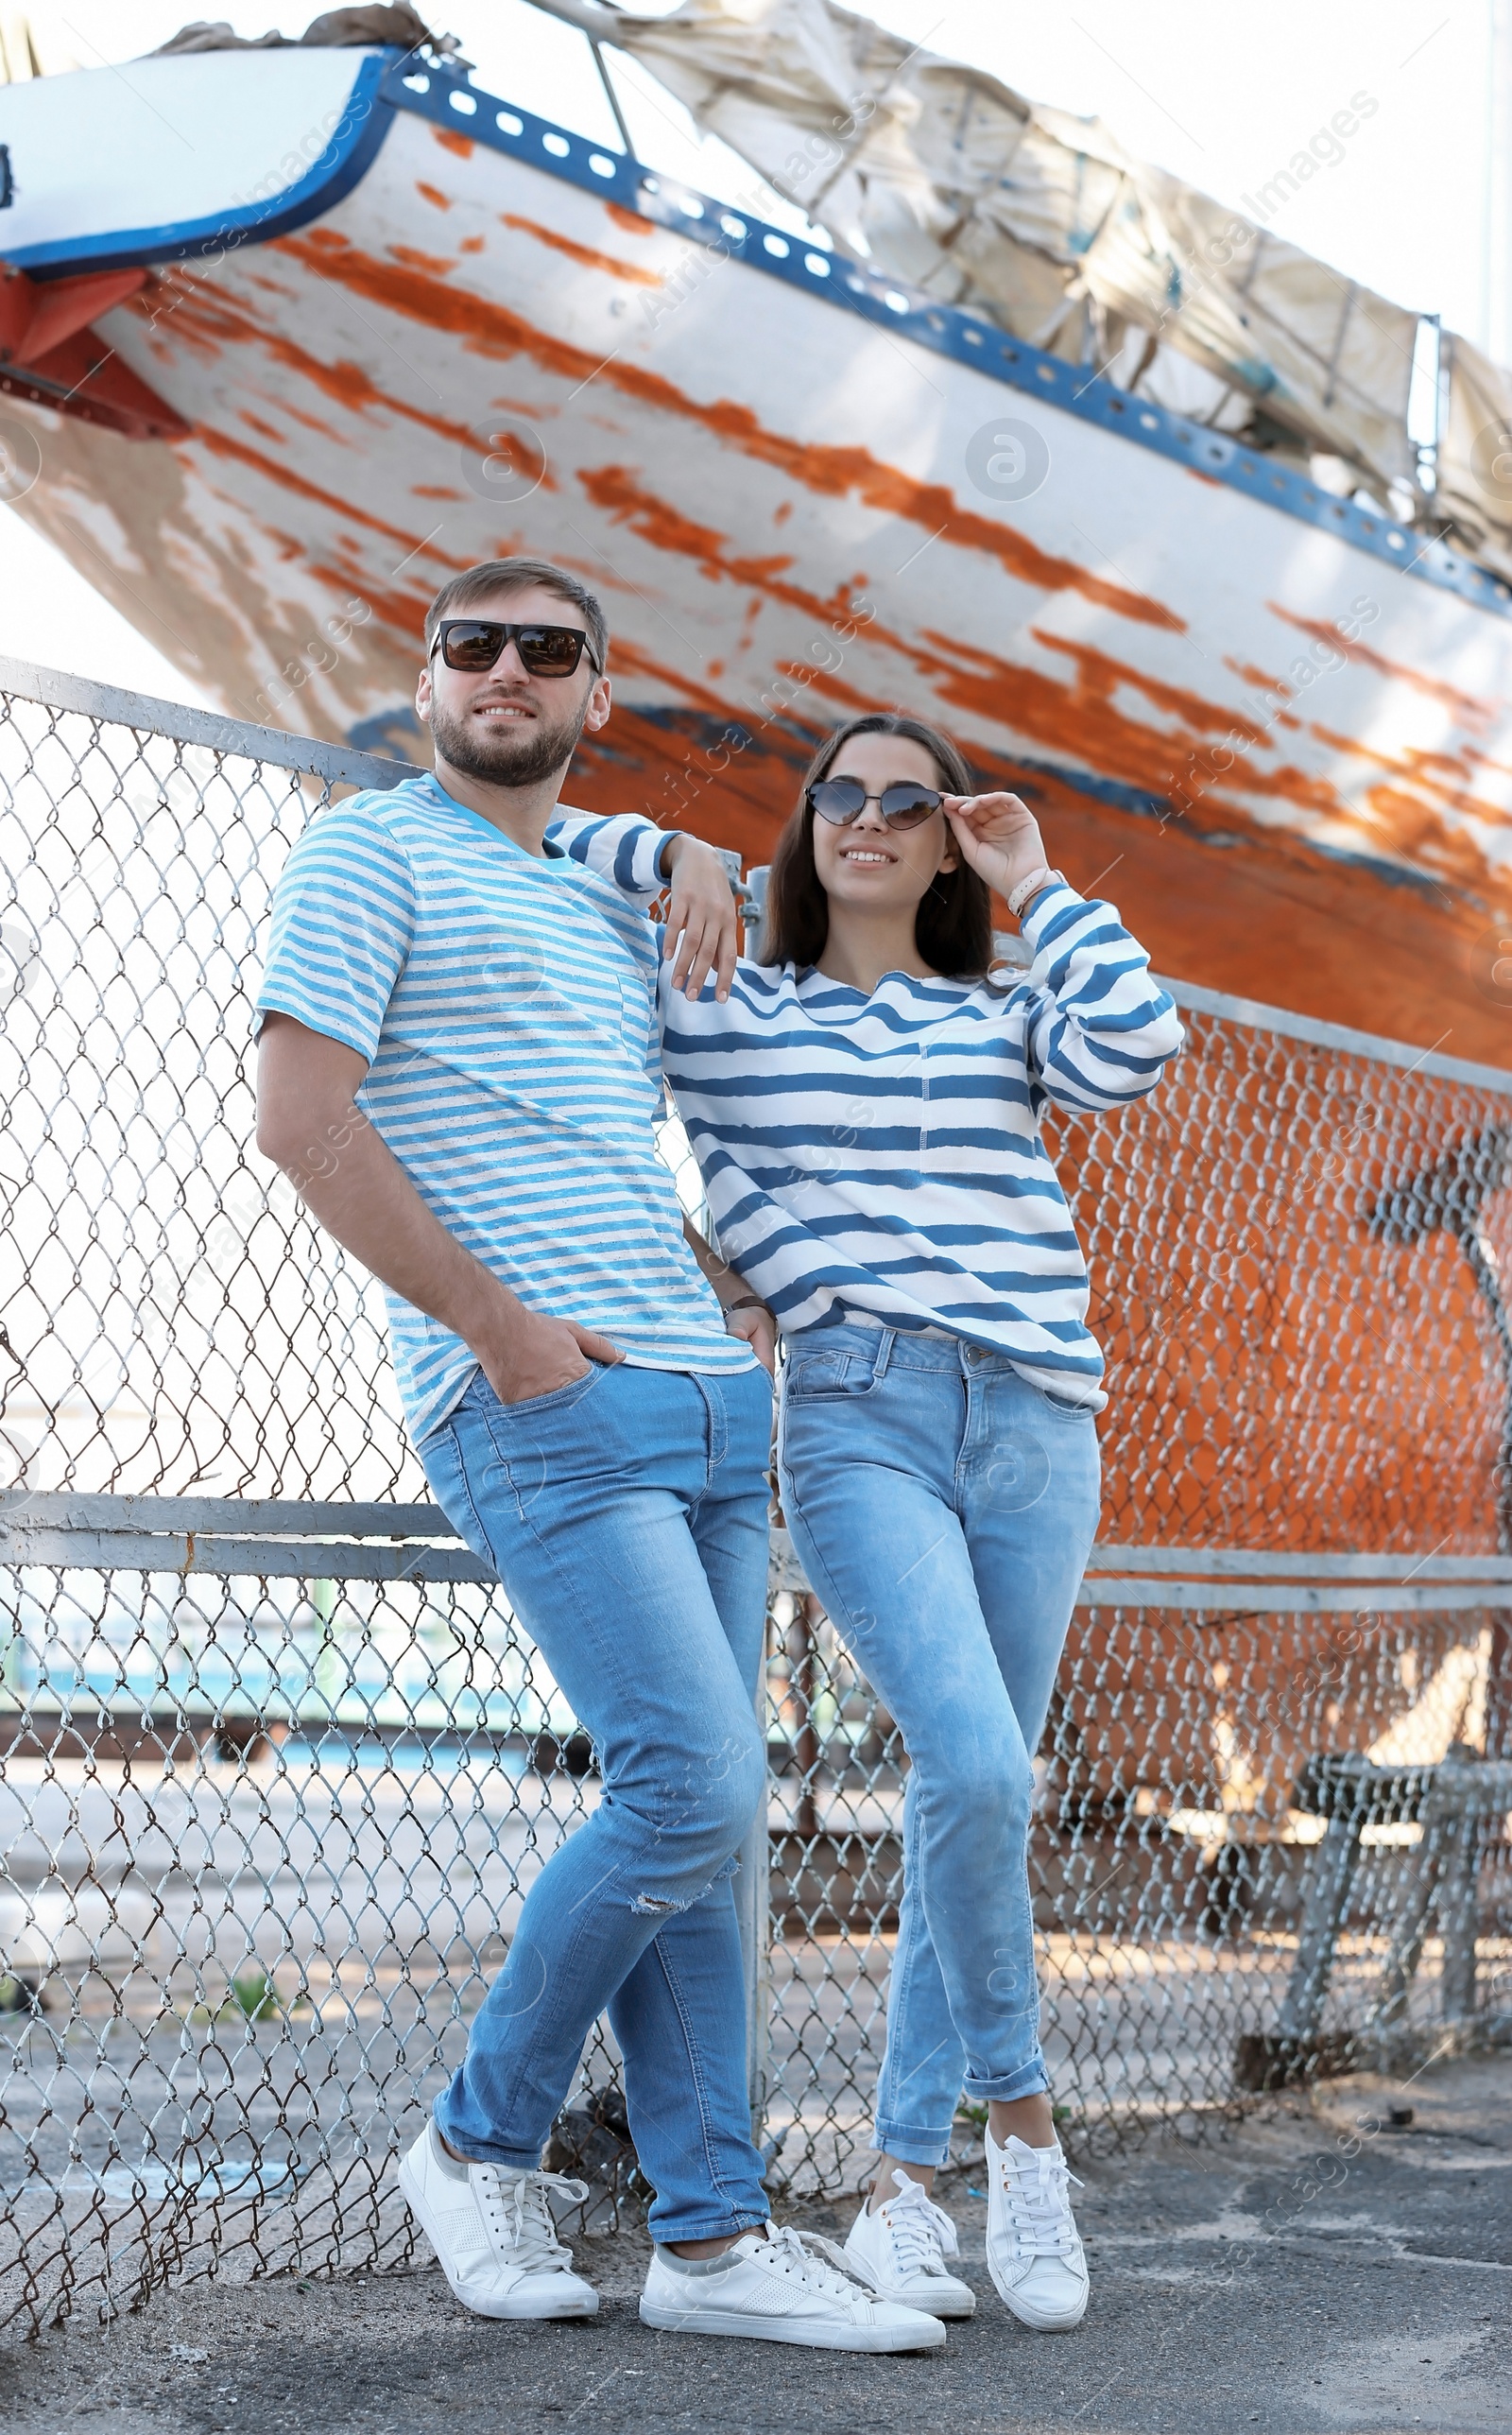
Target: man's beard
<point>505,752</point>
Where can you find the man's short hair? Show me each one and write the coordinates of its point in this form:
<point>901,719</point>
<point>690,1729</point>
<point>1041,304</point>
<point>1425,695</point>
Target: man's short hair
<point>482,583</point>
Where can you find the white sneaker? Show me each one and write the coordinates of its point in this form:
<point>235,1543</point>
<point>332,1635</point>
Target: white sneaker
<point>1034,2251</point>
<point>776,2286</point>
<point>492,2229</point>
<point>901,2248</point>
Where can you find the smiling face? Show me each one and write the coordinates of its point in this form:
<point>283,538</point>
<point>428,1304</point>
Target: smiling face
<point>506,727</point>
<point>869,867</point>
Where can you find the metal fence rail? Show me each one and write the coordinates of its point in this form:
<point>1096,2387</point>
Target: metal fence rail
<point>277,1768</point>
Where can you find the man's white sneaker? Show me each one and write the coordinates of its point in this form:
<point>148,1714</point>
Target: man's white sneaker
<point>778,2287</point>
<point>1034,2251</point>
<point>492,2229</point>
<point>901,2248</point>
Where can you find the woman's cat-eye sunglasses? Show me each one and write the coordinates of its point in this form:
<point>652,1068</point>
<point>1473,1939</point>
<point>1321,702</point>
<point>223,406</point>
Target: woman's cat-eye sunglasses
<point>905,804</point>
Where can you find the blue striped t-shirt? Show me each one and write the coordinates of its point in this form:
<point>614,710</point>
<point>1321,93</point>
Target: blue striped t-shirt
<point>883,1154</point>
<point>505,1005</point>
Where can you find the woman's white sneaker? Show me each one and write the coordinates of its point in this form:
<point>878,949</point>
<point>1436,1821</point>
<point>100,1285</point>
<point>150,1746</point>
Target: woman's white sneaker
<point>900,2249</point>
<point>493,2232</point>
<point>779,2287</point>
<point>1034,2251</point>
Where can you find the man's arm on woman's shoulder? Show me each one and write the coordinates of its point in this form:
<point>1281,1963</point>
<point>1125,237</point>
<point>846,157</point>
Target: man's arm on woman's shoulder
<point>702,931</point>
<point>623,849</point>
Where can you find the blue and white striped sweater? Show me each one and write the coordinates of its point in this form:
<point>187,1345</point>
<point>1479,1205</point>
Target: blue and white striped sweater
<point>884,1154</point>
<point>504,1004</point>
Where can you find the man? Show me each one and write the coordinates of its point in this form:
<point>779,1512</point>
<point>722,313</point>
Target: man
<point>458,1069</point>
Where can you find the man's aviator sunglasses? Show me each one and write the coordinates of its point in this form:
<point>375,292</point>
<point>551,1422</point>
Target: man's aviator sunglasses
<point>905,806</point>
<point>472,646</point>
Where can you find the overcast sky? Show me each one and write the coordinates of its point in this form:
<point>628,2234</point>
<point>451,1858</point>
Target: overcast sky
<point>1226,100</point>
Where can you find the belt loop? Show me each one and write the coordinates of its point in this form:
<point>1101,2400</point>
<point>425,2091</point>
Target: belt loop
<point>878,1368</point>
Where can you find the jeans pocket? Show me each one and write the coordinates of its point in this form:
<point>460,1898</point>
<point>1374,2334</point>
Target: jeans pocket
<point>813,1375</point>
<point>828,1377</point>
<point>1063,1408</point>
<point>556,1399</point>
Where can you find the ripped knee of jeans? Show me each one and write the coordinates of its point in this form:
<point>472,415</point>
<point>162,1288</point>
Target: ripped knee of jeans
<point>663,1906</point>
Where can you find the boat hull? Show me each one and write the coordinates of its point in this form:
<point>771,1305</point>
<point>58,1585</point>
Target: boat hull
<point>1289,760</point>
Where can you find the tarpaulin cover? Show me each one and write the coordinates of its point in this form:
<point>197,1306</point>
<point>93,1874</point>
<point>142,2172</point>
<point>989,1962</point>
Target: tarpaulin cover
<point>1034,218</point>
<point>1475,454</point>
<point>338,29</point>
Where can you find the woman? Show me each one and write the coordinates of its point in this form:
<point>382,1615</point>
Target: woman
<point>865,1107</point>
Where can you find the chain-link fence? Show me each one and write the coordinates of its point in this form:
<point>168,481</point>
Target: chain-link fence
<point>277,1767</point>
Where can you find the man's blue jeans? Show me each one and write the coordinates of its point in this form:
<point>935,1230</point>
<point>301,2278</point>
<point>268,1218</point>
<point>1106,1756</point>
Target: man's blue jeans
<point>626,1515</point>
<point>944,1511</point>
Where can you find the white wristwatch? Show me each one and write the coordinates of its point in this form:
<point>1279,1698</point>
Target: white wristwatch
<point>1031,887</point>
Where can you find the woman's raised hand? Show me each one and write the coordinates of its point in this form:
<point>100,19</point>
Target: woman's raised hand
<point>999,838</point>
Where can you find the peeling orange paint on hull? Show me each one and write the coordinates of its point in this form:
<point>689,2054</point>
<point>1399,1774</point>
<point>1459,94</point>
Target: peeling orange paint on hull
<point>589,255</point>
<point>1107,644</point>
<point>220,443</point>
<point>1081,718</point>
<point>493,329</point>
<point>1464,705</point>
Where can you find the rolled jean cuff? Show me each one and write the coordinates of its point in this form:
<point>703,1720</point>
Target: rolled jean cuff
<point>1033,2080</point>
<point>487,2152</point>
<point>666,2235</point>
<point>911,2145</point>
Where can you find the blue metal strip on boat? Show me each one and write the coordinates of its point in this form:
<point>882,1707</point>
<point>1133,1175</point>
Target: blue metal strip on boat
<point>449,101</point>
<point>354,144</point>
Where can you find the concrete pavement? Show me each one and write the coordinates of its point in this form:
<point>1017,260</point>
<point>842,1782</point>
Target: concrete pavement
<point>1305,2270</point>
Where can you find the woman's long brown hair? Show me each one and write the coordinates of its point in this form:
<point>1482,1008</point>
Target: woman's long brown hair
<point>952,929</point>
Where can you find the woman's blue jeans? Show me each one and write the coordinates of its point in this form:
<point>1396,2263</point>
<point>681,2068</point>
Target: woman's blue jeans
<point>626,1515</point>
<point>944,1510</point>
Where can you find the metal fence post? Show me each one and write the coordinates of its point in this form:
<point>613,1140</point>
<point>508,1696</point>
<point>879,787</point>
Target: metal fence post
<point>1327,1901</point>
<point>1457,1905</point>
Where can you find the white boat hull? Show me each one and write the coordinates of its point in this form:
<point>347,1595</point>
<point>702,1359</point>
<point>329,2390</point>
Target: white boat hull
<point>1289,760</point>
